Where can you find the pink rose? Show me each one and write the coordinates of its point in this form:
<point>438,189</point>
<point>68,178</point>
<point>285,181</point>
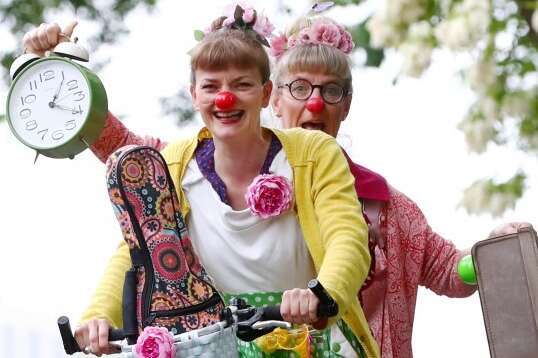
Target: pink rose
<point>325,33</point>
<point>346,44</point>
<point>155,342</point>
<point>279,44</point>
<point>269,195</point>
<point>292,41</point>
<point>248,15</point>
<point>304,36</point>
<point>263,26</point>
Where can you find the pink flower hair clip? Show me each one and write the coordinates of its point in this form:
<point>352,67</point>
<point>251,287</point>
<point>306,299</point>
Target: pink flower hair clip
<point>155,342</point>
<point>269,195</point>
<point>241,16</point>
<point>321,31</point>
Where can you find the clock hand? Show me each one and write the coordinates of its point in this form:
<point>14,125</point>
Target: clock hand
<point>58,90</point>
<point>54,105</point>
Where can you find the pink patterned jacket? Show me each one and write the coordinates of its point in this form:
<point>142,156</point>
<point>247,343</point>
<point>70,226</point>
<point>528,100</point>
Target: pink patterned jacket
<point>412,255</point>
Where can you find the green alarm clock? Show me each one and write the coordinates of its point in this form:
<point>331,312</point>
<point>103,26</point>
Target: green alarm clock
<point>56,106</point>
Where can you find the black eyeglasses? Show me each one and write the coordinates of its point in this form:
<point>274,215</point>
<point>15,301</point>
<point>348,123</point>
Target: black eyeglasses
<point>302,89</point>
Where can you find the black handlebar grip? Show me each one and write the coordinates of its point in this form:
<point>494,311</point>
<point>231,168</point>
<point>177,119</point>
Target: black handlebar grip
<point>116,335</point>
<point>70,344</point>
<point>272,313</point>
<point>327,305</point>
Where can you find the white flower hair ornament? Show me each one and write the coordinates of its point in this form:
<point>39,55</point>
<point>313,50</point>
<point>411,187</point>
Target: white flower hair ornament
<point>243,17</point>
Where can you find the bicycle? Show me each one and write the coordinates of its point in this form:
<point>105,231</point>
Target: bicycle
<point>219,340</point>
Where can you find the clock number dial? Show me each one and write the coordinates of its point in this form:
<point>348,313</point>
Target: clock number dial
<point>57,134</point>
<point>49,103</point>
<point>31,125</point>
<point>25,113</point>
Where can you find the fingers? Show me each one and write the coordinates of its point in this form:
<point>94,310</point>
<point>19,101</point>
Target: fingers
<point>299,306</point>
<point>509,228</point>
<point>93,335</point>
<point>46,36</point>
<point>68,30</point>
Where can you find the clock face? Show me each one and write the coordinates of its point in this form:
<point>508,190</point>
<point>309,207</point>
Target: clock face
<point>49,103</point>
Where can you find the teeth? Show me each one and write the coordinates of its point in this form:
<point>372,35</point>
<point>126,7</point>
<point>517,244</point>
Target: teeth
<point>228,114</point>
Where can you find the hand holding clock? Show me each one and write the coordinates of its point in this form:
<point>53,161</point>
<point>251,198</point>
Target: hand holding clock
<point>45,37</point>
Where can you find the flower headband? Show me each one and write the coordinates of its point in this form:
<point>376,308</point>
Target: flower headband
<point>242,17</point>
<point>320,31</point>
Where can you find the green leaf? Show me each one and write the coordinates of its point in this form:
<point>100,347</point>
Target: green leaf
<point>2,118</point>
<point>374,57</point>
<point>198,35</point>
<point>360,34</point>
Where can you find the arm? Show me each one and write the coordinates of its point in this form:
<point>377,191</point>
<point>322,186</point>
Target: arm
<point>438,258</point>
<point>115,135</point>
<point>105,307</point>
<point>107,300</point>
<point>343,230</point>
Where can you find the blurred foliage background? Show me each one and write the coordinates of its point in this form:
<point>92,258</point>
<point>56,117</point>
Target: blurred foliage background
<point>499,37</point>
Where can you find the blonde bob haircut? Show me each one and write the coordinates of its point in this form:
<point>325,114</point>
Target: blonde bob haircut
<point>225,48</point>
<point>315,58</point>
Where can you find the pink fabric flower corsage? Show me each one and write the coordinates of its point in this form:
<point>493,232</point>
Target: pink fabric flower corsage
<point>155,342</point>
<point>269,195</point>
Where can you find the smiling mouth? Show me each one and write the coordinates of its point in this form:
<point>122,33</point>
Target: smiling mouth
<point>313,125</point>
<point>229,116</point>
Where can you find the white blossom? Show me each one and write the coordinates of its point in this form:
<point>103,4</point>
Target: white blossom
<point>405,11</point>
<point>500,202</point>
<point>517,104</point>
<point>383,32</point>
<point>417,57</point>
<point>417,49</point>
<point>479,198</point>
<point>490,108</point>
<point>478,131</point>
<point>482,75</point>
<point>466,25</point>
<point>475,197</point>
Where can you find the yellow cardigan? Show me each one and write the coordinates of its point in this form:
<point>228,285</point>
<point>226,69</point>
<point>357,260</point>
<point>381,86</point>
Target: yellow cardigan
<point>328,211</point>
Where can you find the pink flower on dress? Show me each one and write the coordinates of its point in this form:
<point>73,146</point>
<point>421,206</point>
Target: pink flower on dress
<point>279,44</point>
<point>155,342</point>
<point>325,33</point>
<point>269,195</point>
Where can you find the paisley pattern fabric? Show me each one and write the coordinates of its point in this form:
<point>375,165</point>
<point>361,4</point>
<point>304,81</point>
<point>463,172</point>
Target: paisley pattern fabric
<point>414,255</point>
<point>173,290</point>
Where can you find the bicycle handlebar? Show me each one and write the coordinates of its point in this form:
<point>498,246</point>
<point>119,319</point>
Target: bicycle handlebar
<point>70,344</point>
<point>246,318</point>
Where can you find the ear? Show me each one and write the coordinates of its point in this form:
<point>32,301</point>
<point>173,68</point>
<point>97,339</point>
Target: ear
<point>192,90</point>
<point>275,103</point>
<point>267,89</point>
<point>347,105</point>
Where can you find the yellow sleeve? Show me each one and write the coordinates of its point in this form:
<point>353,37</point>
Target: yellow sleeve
<point>106,302</point>
<point>344,232</point>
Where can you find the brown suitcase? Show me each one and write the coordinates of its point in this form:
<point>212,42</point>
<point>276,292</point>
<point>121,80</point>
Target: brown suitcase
<point>507,274</point>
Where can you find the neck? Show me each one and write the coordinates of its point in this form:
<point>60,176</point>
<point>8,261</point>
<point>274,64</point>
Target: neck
<point>242,159</point>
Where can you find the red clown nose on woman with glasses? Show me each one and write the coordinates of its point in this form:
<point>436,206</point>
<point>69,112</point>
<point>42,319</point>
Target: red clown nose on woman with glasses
<point>268,251</point>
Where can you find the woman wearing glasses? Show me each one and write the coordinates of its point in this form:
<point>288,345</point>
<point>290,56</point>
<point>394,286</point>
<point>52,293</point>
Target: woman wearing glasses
<point>313,90</point>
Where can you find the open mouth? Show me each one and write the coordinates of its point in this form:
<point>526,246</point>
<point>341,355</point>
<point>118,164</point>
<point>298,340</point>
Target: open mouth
<point>313,125</point>
<point>229,115</point>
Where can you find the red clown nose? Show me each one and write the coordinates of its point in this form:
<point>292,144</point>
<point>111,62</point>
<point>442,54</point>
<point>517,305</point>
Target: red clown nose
<point>315,104</point>
<point>225,100</point>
